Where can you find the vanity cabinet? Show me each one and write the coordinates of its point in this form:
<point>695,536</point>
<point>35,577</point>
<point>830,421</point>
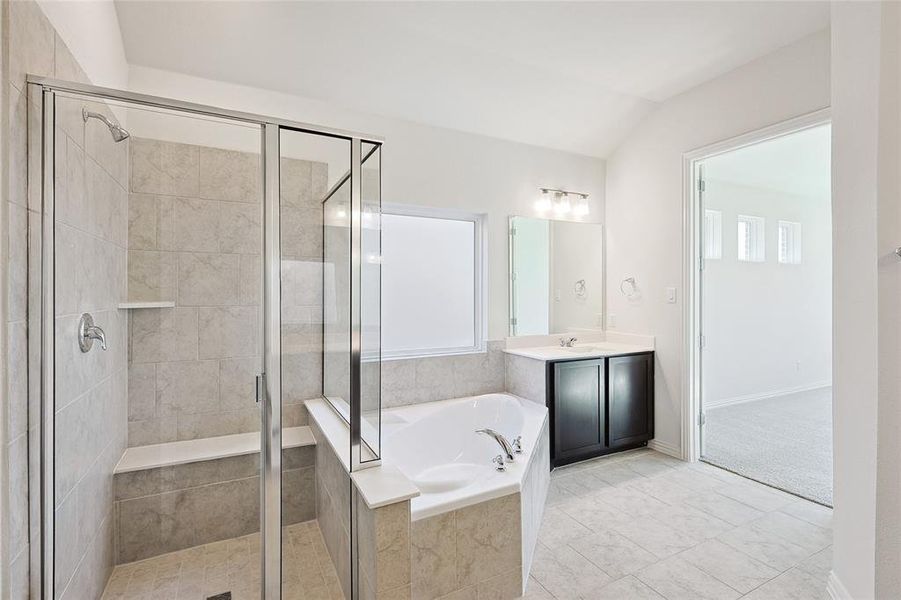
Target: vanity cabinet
<point>600,405</point>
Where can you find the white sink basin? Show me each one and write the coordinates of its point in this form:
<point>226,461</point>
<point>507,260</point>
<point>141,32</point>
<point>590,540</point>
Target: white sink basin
<point>580,349</point>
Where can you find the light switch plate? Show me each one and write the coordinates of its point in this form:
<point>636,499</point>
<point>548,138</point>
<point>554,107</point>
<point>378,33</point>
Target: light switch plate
<point>611,321</point>
<point>670,295</point>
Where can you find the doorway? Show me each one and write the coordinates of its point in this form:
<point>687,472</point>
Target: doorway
<point>764,309</point>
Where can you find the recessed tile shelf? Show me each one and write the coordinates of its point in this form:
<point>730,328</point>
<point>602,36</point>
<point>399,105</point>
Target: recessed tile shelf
<point>160,304</point>
<point>140,458</point>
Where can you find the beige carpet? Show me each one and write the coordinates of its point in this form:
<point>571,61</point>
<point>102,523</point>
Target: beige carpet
<point>785,442</point>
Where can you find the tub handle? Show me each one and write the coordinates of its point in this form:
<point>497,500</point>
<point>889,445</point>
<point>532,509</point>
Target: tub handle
<point>517,445</point>
<point>499,464</point>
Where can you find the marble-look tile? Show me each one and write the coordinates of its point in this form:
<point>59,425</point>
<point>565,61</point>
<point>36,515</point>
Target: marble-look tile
<point>143,222</point>
<point>152,276</point>
<point>163,334</point>
<point>240,228</point>
<point>656,535</point>
<point>17,263</point>
<point>535,591</point>
<point>730,566</point>
<point>808,536</point>
<point>592,513</point>
<point>237,383</point>
<point>195,426</point>
<point>251,282</point>
<point>433,547</point>
<point>189,225</point>
<point>208,279</point>
<point>613,553</point>
<point>525,377</point>
<point>558,528</point>
<point>627,587</point>
<point>187,387</point>
<point>298,497</point>
<point>488,538</point>
<point>153,525</point>
<point>392,546</point>
<point>296,184</point>
<point>791,585</point>
<point>229,175</point>
<point>692,522</point>
<point>815,514</point>
<point>631,501</point>
<point>567,574</point>
<point>301,233</point>
<point>17,379</point>
<point>723,507</point>
<point>506,586</point>
<point>675,579</point>
<point>31,43</point>
<point>164,168</point>
<point>228,332</point>
<point>152,431</point>
<point>765,546</point>
<point>141,392</point>
<point>757,495</point>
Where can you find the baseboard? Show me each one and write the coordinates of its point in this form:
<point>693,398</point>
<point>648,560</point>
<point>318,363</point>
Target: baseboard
<point>666,448</point>
<point>708,404</point>
<point>835,588</point>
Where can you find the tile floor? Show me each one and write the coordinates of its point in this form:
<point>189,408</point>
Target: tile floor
<point>230,565</point>
<point>643,525</point>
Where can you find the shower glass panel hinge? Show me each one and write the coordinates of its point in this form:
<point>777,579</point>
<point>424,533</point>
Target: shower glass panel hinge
<point>702,419</point>
<point>261,387</point>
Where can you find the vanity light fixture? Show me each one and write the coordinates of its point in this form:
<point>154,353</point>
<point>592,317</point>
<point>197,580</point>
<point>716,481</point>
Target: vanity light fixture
<point>561,203</point>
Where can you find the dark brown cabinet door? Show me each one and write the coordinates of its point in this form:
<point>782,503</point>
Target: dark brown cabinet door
<point>578,409</point>
<point>630,399</point>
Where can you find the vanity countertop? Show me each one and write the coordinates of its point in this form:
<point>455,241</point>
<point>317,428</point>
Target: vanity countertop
<point>582,350</point>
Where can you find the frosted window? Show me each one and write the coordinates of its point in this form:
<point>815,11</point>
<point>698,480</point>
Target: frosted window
<point>429,284</point>
<point>789,243</point>
<point>713,234</point>
<point>751,239</point>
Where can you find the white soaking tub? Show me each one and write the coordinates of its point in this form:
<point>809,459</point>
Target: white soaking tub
<point>436,446</point>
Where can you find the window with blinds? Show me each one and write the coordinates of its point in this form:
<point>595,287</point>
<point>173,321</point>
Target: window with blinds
<point>751,238</point>
<point>789,243</point>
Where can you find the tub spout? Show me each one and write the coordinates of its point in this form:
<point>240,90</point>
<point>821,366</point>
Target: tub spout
<point>502,442</point>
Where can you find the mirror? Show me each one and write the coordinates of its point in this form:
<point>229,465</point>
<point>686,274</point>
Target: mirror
<point>556,276</point>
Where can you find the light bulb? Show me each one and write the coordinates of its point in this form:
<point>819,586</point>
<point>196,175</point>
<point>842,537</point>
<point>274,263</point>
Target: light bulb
<point>562,204</point>
<point>544,202</point>
<point>581,207</point>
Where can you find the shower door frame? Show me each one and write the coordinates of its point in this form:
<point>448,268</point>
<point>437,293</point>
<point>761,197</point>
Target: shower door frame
<point>45,90</point>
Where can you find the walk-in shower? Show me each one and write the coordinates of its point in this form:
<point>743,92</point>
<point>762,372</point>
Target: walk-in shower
<point>231,262</point>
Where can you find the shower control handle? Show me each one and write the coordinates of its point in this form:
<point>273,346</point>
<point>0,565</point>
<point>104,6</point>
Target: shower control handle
<point>88,332</point>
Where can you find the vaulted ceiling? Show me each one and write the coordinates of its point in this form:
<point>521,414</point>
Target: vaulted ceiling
<point>574,76</point>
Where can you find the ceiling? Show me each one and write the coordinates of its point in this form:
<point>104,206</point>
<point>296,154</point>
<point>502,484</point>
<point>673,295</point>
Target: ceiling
<point>574,76</point>
<point>798,164</point>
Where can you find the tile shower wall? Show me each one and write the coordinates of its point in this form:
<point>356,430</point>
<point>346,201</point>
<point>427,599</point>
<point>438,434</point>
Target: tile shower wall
<point>91,388</point>
<point>194,238</point>
<point>172,508</point>
<point>416,380</point>
<point>333,507</point>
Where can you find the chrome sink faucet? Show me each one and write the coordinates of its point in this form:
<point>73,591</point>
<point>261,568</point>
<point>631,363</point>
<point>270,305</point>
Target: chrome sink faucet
<point>568,342</point>
<point>508,449</point>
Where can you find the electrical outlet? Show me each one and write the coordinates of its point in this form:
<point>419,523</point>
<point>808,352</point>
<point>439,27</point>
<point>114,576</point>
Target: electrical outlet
<point>611,321</point>
<point>670,295</point>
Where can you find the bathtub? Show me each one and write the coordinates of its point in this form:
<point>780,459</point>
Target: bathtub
<point>436,446</point>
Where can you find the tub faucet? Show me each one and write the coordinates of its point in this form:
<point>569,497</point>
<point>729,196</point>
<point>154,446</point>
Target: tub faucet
<point>502,442</point>
<point>567,342</point>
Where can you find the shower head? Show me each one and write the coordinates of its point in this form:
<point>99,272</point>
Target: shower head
<point>116,131</point>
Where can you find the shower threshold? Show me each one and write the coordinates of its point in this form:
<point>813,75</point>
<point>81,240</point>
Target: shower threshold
<point>232,565</point>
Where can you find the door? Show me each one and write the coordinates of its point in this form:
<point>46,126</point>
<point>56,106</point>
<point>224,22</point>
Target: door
<point>765,318</point>
<point>578,409</point>
<point>630,399</point>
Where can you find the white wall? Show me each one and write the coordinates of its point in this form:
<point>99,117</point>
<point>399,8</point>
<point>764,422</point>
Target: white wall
<point>865,124</point>
<point>423,165</point>
<point>90,28</point>
<point>767,326</point>
<point>644,191</point>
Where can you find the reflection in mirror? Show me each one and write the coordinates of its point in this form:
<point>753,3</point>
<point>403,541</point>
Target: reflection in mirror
<point>556,276</point>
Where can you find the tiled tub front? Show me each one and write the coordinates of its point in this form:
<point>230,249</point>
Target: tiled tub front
<point>475,551</point>
<point>171,508</point>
